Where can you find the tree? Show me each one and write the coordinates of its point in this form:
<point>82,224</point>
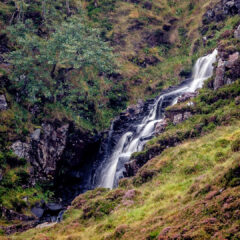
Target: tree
<point>73,45</point>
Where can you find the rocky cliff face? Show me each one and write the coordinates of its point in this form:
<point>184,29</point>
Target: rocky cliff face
<point>58,152</point>
<point>221,10</point>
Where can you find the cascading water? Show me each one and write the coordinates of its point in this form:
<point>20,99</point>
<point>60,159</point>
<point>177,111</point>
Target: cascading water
<point>112,167</point>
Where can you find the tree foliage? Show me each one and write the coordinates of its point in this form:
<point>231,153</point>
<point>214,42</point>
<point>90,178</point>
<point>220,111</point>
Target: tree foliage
<point>73,45</point>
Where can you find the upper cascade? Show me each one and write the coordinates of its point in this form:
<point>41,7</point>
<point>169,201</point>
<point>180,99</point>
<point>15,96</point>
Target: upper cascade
<point>112,167</point>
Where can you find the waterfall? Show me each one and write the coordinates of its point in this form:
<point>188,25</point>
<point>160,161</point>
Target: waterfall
<point>112,166</point>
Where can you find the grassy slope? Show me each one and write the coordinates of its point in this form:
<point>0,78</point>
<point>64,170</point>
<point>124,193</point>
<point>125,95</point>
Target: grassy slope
<point>17,122</point>
<point>183,196</point>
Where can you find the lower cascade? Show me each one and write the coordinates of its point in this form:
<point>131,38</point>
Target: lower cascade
<point>111,168</point>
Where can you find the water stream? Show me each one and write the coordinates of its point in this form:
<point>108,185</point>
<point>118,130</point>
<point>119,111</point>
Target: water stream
<point>112,167</point>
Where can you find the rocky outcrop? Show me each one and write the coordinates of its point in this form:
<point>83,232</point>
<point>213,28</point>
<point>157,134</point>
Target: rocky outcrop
<point>187,96</point>
<point>160,127</point>
<point>228,69</point>
<point>3,102</point>
<point>21,149</point>
<point>221,10</point>
<point>47,146</point>
<point>62,154</point>
<point>237,33</point>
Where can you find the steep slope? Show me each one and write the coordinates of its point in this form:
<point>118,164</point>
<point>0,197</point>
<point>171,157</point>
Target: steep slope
<point>188,192</point>
<point>49,143</point>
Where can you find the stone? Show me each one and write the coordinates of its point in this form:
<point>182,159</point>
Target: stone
<point>36,134</point>
<point>37,211</point>
<point>187,115</point>
<point>237,33</point>
<point>232,60</point>
<point>46,224</point>
<point>3,103</point>
<point>47,148</point>
<point>160,126</point>
<point>21,149</point>
<point>54,207</point>
<point>177,118</point>
<point>186,96</point>
<point>219,79</point>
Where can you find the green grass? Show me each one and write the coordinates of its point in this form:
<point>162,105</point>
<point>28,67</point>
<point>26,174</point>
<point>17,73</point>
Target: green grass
<point>184,171</point>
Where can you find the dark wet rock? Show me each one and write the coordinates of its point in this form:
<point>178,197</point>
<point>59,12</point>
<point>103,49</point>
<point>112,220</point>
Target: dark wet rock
<point>3,103</point>
<point>38,211</point>
<point>54,207</point>
<point>47,148</point>
<point>60,153</point>
<point>185,73</point>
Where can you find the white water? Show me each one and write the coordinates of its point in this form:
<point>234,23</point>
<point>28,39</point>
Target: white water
<point>113,166</point>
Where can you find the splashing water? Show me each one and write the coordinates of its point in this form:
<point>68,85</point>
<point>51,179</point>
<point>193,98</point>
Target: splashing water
<point>112,167</point>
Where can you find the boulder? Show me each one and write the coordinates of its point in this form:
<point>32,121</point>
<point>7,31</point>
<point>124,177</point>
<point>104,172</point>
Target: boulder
<point>237,33</point>
<point>36,135</point>
<point>221,10</point>
<point>186,96</point>
<point>219,79</point>
<point>177,118</point>
<point>3,103</point>
<point>54,207</point>
<point>160,126</point>
<point>232,60</point>
<point>231,65</point>
<point>38,211</point>
<point>21,149</point>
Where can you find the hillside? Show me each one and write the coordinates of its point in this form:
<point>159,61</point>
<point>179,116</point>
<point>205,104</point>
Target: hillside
<point>68,69</point>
